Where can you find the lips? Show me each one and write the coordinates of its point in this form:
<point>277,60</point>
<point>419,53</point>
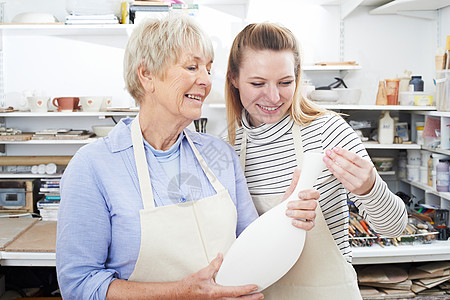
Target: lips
<point>269,108</point>
<point>194,97</point>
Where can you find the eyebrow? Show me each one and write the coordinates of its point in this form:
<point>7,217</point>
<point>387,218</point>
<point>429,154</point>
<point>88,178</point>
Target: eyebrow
<point>199,58</point>
<point>261,78</point>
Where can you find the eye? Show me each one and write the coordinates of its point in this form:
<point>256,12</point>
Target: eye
<point>209,71</point>
<point>287,82</point>
<point>192,68</point>
<point>257,84</point>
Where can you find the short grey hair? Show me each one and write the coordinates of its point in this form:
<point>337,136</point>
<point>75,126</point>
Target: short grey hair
<point>156,42</point>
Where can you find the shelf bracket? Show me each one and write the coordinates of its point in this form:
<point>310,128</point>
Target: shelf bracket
<point>421,14</point>
<point>348,6</point>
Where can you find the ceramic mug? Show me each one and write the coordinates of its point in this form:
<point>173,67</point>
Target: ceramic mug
<point>105,103</point>
<point>66,104</point>
<point>37,104</point>
<point>92,103</point>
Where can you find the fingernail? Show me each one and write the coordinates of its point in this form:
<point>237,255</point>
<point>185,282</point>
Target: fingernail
<point>254,289</point>
<point>289,213</point>
<point>326,159</point>
<point>302,195</point>
<point>336,149</point>
<point>328,152</point>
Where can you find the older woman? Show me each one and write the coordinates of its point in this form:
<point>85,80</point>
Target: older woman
<point>146,210</point>
<point>276,125</point>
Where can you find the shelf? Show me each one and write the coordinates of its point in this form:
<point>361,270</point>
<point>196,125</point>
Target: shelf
<point>51,142</point>
<point>331,68</point>
<point>386,173</point>
<point>26,176</point>
<point>378,107</point>
<point>101,114</point>
<point>28,259</point>
<point>437,150</point>
<point>434,113</point>
<point>413,8</point>
<point>428,189</point>
<point>61,29</point>
<point>375,145</point>
<point>438,250</point>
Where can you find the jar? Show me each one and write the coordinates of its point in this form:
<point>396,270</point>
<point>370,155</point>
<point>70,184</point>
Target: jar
<point>392,86</point>
<point>442,176</point>
<point>419,135</point>
<point>417,82</point>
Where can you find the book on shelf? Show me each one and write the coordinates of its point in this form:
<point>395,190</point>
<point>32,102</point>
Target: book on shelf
<point>47,203</point>
<point>150,3</point>
<point>49,190</point>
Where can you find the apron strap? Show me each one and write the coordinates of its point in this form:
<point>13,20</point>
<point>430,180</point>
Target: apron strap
<point>209,174</point>
<point>243,152</point>
<point>298,145</point>
<point>145,184</point>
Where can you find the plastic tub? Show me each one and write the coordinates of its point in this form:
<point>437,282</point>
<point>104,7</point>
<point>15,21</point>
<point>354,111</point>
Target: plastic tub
<point>423,174</point>
<point>414,157</point>
<point>413,172</point>
<point>383,164</point>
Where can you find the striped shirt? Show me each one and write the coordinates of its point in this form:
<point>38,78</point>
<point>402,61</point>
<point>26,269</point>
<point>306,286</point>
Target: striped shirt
<point>270,163</point>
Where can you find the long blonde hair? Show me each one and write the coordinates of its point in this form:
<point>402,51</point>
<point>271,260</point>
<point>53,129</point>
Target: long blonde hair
<point>265,36</point>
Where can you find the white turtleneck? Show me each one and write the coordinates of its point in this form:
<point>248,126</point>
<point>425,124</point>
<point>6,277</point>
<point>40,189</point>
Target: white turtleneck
<point>270,163</point>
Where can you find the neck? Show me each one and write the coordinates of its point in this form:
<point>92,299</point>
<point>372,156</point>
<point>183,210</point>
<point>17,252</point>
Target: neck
<point>158,129</point>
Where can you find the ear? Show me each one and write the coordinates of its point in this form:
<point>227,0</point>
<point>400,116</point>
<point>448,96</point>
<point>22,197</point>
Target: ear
<point>233,81</point>
<point>146,79</point>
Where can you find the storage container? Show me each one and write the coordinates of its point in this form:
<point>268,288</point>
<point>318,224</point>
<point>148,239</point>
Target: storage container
<point>383,164</point>
<point>413,172</point>
<point>414,157</point>
<point>423,174</point>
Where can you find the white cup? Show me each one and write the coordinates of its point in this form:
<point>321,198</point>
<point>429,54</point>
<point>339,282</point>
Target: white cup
<point>105,103</point>
<point>91,103</point>
<point>37,104</point>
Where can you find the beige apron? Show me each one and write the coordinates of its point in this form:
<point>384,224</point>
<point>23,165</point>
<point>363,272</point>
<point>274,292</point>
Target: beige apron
<point>180,239</point>
<point>321,272</point>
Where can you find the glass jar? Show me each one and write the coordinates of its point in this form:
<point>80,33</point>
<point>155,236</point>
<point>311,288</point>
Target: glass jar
<point>417,82</point>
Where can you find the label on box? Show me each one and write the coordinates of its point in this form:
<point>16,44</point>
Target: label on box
<point>423,100</point>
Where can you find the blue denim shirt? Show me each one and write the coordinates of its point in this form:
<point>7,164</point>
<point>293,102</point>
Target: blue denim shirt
<point>98,236</point>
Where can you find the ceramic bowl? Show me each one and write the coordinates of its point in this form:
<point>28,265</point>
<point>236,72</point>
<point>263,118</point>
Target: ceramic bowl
<point>101,130</point>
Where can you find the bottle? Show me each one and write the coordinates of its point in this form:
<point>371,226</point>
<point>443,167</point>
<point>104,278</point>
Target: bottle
<point>430,171</point>
<point>381,95</point>
<point>404,81</point>
<point>385,128</point>
<point>417,82</point>
<point>442,176</point>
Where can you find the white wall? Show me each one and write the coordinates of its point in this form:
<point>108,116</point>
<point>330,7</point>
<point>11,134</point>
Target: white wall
<point>384,45</point>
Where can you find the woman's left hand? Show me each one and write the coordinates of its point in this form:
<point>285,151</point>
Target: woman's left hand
<point>354,172</point>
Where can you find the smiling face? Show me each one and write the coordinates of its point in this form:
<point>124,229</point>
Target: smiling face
<point>266,84</point>
<point>181,92</point>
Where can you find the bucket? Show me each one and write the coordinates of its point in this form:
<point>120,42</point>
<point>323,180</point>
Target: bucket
<point>423,174</point>
<point>425,156</point>
<point>414,157</point>
<point>413,172</point>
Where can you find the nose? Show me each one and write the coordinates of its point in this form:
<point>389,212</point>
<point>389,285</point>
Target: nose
<point>273,94</point>
<point>204,78</point>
